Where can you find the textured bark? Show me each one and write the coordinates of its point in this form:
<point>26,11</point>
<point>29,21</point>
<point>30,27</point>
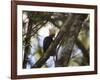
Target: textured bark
<point>70,38</point>
<point>65,28</point>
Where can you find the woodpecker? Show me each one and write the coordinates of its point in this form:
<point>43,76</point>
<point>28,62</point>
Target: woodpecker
<point>47,41</point>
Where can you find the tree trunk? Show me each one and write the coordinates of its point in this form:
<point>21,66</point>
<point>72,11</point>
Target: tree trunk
<point>70,38</point>
<point>27,45</point>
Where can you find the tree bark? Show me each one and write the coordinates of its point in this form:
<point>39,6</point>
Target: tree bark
<point>70,38</point>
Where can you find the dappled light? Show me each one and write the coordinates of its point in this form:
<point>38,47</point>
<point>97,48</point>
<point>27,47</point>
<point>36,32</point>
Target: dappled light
<point>70,41</point>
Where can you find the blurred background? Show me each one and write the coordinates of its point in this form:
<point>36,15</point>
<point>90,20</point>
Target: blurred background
<point>38,25</point>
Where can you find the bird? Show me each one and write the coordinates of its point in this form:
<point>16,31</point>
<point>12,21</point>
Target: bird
<point>48,40</point>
